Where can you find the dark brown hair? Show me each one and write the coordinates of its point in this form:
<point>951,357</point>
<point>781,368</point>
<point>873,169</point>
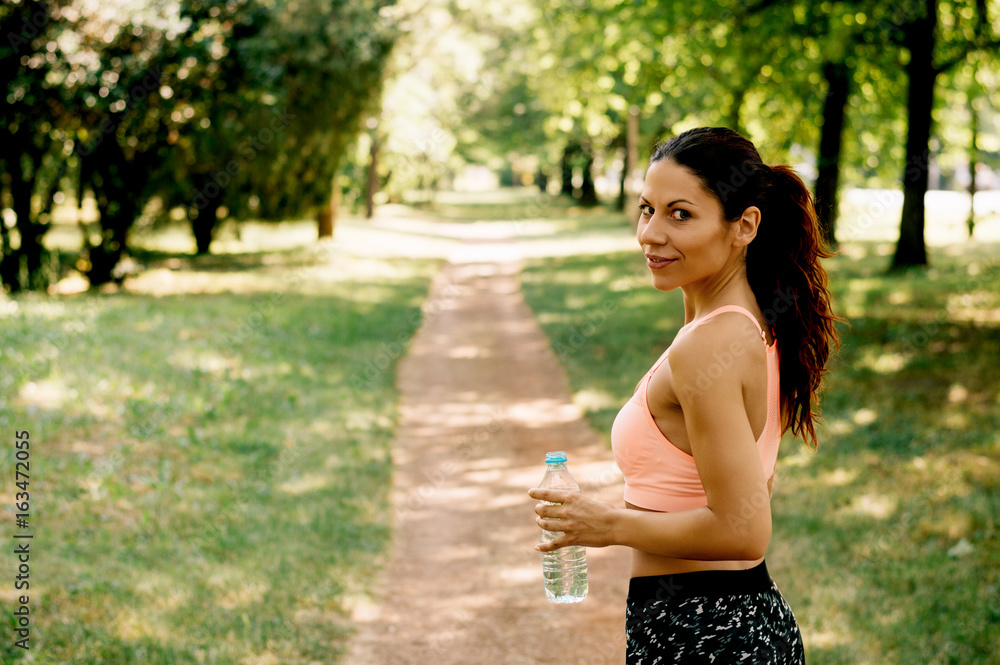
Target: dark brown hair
<point>782,262</point>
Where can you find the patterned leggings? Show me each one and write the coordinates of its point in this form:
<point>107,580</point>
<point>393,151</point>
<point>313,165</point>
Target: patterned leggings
<point>714,616</point>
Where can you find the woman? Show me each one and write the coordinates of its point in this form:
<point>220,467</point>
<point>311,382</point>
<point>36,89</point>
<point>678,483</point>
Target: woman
<point>697,443</point>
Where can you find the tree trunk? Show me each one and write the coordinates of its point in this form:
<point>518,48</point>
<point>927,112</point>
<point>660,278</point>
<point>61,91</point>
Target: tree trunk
<point>9,270</point>
<point>207,198</point>
<point>8,259</point>
<point>35,256</point>
<point>20,195</point>
<point>105,257</point>
<point>622,190</point>
<point>118,185</point>
<point>542,180</point>
<point>911,250</point>
<point>838,77</point>
<point>566,169</point>
<point>102,265</point>
<point>28,258</point>
<point>588,193</point>
<point>115,226</point>
<point>973,153</point>
<point>327,218</point>
<point>203,225</point>
<point>632,176</point>
<point>372,182</point>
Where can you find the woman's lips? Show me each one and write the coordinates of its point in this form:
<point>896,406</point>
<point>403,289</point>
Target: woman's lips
<point>657,262</point>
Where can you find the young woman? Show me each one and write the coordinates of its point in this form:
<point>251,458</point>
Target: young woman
<point>697,443</point>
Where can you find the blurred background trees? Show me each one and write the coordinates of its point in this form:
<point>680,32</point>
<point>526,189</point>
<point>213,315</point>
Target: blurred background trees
<point>243,108</point>
<point>214,110</point>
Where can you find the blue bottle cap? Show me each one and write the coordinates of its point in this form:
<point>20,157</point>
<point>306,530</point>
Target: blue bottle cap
<point>555,456</point>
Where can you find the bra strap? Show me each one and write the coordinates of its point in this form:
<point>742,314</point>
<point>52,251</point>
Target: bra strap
<point>741,310</point>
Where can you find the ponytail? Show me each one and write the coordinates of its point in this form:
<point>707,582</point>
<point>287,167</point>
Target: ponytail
<point>782,262</point>
<point>790,284</point>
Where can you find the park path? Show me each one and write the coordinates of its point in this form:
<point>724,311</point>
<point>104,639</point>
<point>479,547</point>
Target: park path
<point>483,398</point>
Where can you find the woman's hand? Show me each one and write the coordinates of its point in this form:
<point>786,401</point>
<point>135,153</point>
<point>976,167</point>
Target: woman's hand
<point>582,521</point>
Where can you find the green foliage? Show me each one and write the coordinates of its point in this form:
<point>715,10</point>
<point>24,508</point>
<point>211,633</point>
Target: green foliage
<point>566,73</point>
<point>267,98</point>
<point>245,106</point>
<point>327,61</point>
<point>269,95</point>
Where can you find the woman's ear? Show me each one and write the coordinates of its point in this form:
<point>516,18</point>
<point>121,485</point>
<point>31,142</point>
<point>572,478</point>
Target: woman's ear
<point>746,227</point>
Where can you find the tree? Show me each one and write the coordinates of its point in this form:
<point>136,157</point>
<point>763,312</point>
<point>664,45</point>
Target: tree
<point>117,95</point>
<point>242,104</point>
<point>271,97</point>
<point>838,82</point>
<point>219,86</point>
<point>32,139</point>
<point>330,61</point>
<point>933,48</point>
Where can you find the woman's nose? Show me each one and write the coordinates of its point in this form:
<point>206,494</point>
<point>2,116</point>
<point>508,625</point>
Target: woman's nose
<point>651,233</point>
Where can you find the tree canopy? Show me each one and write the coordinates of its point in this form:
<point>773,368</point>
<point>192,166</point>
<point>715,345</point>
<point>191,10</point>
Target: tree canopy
<point>241,106</point>
<point>251,108</point>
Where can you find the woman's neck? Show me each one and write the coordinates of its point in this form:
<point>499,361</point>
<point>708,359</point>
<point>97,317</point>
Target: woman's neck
<point>730,289</point>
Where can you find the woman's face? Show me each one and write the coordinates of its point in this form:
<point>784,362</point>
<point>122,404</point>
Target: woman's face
<point>682,230</point>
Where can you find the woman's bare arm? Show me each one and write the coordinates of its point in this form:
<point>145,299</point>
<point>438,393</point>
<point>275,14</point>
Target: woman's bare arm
<point>736,523</point>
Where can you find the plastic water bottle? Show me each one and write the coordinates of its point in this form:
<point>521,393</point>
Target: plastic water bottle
<point>565,570</point>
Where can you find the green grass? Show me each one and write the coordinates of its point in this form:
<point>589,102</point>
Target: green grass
<point>866,528</point>
<point>210,459</point>
<point>210,452</point>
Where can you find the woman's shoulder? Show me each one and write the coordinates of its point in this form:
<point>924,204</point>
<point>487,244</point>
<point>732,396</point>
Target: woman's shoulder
<point>724,326</point>
<point>722,345</point>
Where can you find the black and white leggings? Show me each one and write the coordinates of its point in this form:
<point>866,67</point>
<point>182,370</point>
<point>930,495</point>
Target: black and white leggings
<point>713,616</point>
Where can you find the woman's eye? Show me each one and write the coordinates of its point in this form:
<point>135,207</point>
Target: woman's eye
<point>680,214</point>
<point>646,210</point>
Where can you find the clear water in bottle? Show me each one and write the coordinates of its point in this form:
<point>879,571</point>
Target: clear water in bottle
<point>565,570</point>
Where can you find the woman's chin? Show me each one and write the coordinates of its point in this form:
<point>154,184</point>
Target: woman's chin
<point>664,285</point>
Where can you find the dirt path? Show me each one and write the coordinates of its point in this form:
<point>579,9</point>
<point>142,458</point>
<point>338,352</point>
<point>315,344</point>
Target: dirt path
<point>483,399</point>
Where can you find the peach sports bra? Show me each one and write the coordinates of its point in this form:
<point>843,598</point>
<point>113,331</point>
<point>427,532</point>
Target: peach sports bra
<point>659,475</point>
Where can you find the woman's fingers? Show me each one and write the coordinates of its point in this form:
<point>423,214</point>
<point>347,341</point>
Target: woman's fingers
<point>552,524</point>
<point>552,496</point>
<point>552,509</point>
<point>552,545</point>
<point>545,509</point>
